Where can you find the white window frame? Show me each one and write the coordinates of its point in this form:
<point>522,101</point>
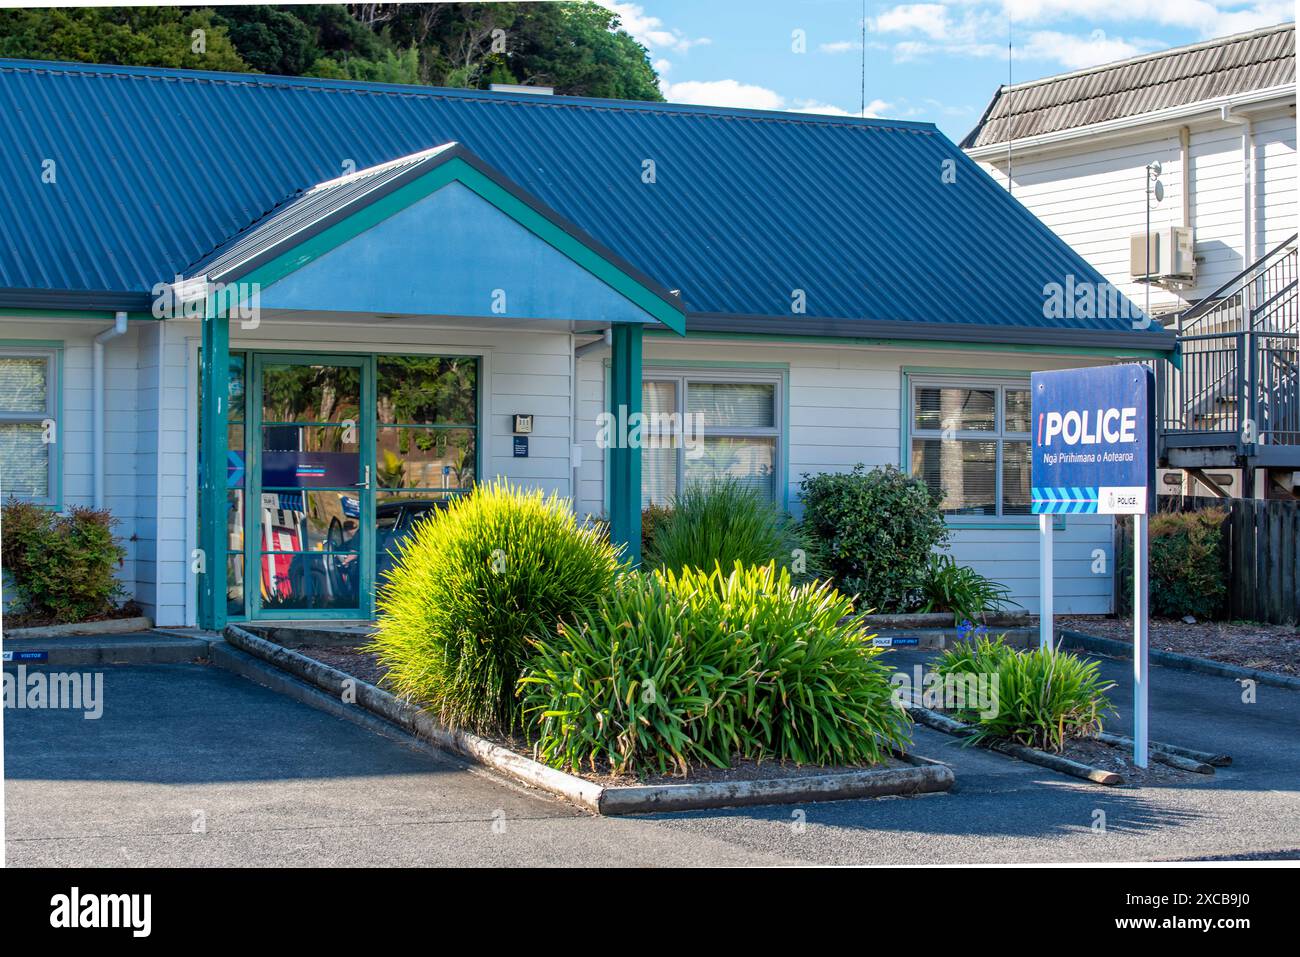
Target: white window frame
<point>50,413</point>
<point>999,434</point>
<point>682,379</point>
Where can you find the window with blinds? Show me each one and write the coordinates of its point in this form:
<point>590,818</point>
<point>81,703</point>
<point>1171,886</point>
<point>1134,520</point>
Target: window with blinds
<point>971,441</point>
<point>28,431</point>
<point>701,427</point>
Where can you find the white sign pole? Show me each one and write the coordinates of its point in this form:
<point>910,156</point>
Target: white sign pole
<point>2,710</point>
<point>1140,674</point>
<point>1045,639</point>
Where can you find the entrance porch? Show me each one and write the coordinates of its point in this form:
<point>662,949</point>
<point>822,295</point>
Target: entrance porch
<point>336,407</point>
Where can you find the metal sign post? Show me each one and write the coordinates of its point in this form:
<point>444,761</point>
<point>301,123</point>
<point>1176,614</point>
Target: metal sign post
<point>1093,444</point>
<point>1045,637</point>
<point>1140,672</point>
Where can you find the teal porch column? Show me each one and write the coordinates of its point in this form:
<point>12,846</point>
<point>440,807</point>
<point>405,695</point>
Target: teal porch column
<point>625,462</point>
<point>214,373</point>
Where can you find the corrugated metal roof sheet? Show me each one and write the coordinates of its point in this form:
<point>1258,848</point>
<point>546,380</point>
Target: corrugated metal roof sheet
<point>1228,66</point>
<point>311,208</point>
<point>157,169</point>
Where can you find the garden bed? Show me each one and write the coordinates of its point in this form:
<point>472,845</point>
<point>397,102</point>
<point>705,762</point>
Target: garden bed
<point>747,783</point>
<point>1273,648</point>
<point>365,666</point>
<point>1086,758</point>
<point>1108,757</point>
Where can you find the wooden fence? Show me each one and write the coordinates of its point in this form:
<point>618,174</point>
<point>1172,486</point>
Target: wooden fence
<point>1261,555</point>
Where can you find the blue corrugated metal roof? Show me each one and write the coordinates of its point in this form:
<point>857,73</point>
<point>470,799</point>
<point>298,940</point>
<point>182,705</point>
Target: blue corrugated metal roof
<point>155,169</point>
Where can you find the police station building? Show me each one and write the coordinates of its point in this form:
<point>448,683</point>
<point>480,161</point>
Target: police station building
<point>273,321</point>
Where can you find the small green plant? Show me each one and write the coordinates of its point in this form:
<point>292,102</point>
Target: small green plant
<point>878,529</point>
<point>1043,697</point>
<point>653,517</point>
<point>62,565</point>
<point>471,586</point>
<point>961,590</point>
<point>718,523</point>
<point>674,670</point>
<point>1188,568</point>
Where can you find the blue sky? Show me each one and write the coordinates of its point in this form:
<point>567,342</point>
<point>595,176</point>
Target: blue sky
<point>935,61</point>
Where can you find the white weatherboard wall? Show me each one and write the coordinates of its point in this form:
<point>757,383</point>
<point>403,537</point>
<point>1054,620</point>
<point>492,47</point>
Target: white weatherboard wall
<point>151,440</point>
<point>73,447</point>
<point>843,408</point>
<point>1092,193</point>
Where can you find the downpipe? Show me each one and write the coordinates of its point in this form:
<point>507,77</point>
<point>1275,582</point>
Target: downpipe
<point>98,402</point>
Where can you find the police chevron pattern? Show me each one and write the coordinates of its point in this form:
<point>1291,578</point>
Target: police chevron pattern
<point>1064,500</point>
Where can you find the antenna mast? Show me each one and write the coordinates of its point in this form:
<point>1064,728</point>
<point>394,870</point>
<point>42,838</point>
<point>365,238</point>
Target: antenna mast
<point>863,37</point>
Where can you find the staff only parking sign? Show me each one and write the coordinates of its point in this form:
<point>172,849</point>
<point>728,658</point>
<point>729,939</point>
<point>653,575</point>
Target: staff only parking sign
<point>1093,440</point>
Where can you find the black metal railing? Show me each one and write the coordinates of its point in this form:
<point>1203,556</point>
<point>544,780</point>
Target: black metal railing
<point>1239,381</point>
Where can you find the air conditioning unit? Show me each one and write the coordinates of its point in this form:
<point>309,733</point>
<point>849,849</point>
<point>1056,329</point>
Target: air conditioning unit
<point>1171,255</point>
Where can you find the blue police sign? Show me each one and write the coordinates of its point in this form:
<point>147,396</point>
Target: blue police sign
<point>1093,440</point>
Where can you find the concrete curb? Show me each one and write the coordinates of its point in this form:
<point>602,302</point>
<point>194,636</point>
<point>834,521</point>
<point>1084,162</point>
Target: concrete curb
<point>925,776</point>
<point>83,651</point>
<point>941,620</point>
<point>111,626</point>
<point>1171,659</point>
<point>1054,762</point>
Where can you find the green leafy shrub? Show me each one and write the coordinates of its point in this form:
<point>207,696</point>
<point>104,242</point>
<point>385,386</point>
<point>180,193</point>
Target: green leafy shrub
<point>1188,565</point>
<point>716,524</point>
<point>62,565</point>
<point>652,517</point>
<point>674,670</point>
<point>878,529</point>
<point>961,590</point>
<point>1044,697</point>
<point>471,586</point>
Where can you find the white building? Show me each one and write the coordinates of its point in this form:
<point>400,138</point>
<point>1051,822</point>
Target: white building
<point>1198,145</point>
<point>1220,119</point>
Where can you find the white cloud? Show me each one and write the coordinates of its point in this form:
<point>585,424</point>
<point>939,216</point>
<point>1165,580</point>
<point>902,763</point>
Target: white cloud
<point>1077,53</point>
<point>651,32</point>
<point>875,108</point>
<point>979,28</point>
<point>751,96</point>
<point>1210,18</point>
<point>841,46</point>
<point>724,93</point>
<point>930,19</point>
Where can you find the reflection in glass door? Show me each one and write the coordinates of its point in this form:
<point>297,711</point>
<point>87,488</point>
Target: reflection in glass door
<point>309,487</point>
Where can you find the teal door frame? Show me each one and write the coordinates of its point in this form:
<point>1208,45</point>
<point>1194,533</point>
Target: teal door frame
<point>209,562</point>
<point>253,489</point>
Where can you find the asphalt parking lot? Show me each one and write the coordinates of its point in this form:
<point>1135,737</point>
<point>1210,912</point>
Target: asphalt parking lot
<point>190,765</point>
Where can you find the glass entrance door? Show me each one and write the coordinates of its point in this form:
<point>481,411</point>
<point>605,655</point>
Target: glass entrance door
<point>311,513</point>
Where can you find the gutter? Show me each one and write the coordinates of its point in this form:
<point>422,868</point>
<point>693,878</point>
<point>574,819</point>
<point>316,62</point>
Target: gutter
<point>1260,99</point>
<point>935,332</point>
<point>98,400</point>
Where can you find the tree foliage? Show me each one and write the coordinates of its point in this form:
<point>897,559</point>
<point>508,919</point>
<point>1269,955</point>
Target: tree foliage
<point>577,48</point>
<point>132,36</point>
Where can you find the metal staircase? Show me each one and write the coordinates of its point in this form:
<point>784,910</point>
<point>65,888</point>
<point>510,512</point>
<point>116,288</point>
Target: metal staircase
<point>1235,401</point>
